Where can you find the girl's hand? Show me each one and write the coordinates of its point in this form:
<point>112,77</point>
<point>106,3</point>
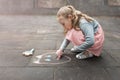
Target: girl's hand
<point>59,54</point>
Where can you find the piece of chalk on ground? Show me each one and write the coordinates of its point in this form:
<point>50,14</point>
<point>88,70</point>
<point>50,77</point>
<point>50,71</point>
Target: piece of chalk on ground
<point>48,56</point>
<point>47,60</point>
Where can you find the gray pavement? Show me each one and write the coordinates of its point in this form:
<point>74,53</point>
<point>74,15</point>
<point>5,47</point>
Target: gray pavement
<point>44,33</point>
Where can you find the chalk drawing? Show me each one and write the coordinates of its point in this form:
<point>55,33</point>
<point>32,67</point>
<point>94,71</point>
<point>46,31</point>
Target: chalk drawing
<point>50,58</point>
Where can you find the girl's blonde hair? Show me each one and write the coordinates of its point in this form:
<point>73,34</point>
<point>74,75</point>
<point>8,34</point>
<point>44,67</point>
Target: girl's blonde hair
<point>65,11</point>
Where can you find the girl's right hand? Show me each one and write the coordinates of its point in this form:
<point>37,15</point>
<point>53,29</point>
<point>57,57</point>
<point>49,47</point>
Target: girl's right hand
<point>59,54</point>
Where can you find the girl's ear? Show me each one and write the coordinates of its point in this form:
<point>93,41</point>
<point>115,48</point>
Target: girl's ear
<point>70,16</point>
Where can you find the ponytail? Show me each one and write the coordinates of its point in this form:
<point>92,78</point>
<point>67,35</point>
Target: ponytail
<point>76,15</point>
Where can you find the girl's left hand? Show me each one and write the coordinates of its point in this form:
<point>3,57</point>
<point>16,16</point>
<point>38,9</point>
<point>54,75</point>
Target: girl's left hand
<point>59,54</point>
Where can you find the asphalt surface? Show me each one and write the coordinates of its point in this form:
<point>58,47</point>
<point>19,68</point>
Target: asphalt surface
<point>45,34</point>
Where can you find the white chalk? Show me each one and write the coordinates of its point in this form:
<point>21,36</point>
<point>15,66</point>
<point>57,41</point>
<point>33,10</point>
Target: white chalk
<point>28,53</point>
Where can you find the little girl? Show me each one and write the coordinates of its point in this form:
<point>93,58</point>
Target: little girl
<point>82,30</point>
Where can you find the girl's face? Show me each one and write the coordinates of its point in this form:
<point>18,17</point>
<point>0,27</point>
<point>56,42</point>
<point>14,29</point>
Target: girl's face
<point>66,22</point>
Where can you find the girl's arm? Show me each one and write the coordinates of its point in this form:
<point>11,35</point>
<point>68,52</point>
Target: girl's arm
<point>64,44</point>
<point>88,31</point>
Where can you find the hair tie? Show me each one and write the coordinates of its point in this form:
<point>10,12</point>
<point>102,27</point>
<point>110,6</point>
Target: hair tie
<point>79,13</point>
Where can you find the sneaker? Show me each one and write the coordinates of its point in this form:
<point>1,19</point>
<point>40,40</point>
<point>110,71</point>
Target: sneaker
<point>84,56</point>
<point>74,49</point>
